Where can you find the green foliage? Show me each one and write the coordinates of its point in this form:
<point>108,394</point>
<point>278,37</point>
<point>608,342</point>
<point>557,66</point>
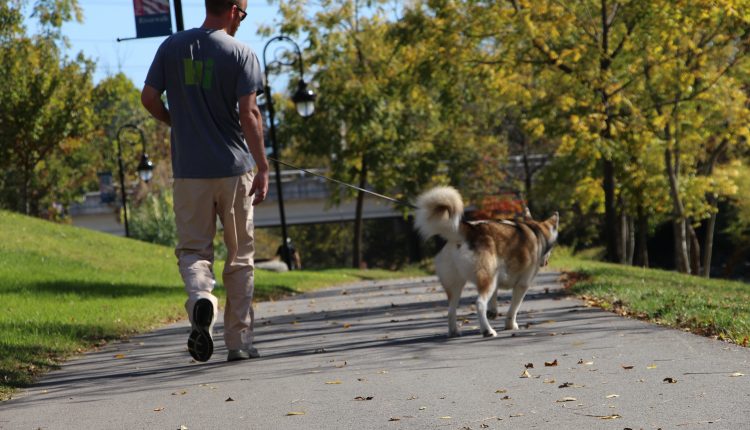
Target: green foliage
<point>45,115</point>
<point>153,219</point>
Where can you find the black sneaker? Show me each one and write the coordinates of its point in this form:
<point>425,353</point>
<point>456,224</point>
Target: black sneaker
<point>201,342</point>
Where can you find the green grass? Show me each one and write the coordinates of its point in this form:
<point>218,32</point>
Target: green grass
<point>64,290</point>
<point>710,307</point>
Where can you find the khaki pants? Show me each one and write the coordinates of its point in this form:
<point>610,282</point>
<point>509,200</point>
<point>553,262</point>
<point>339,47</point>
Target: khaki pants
<point>197,203</point>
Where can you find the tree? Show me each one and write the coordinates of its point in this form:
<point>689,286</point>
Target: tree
<point>46,113</point>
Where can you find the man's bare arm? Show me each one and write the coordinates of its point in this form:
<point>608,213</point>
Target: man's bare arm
<point>151,100</point>
<point>252,128</point>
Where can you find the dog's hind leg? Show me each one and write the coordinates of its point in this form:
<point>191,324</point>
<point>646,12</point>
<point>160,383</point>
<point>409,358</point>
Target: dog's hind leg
<point>453,284</point>
<point>519,291</point>
<point>485,288</point>
<point>492,312</point>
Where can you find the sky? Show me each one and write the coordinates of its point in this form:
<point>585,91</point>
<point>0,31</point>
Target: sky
<point>107,20</point>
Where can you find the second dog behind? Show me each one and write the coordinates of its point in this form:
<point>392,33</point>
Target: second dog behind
<point>490,254</point>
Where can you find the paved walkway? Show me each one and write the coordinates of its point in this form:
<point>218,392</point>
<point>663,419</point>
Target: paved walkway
<point>375,356</point>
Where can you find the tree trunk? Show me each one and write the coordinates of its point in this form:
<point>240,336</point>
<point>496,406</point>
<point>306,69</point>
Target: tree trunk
<point>610,212</point>
<point>682,260</point>
<point>357,248</point>
<point>708,241</point>
<point>695,250</point>
<point>630,248</point>
<point>527,176</point>
<point>641,253</point>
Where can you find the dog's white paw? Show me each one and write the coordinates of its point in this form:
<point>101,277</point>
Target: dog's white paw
<point>511,325</point>
<point>490,333</point>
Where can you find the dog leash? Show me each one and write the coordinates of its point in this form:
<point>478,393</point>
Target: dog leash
<point>390,199</point>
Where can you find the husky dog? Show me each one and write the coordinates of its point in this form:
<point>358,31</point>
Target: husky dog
<point>490,254</point>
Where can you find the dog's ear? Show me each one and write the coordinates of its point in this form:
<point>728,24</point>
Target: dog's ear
<point>554,220</point>
<point>527,213</point>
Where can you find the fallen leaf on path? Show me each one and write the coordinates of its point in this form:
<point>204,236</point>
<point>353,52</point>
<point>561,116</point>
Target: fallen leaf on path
<point>529,365</point>
<point>360,398</point>
<point>179,393</point>
<point>670,380</point>
<point>525,374</point>
<point>446,418</point>
<point>612,396</point>
<point>336,382</point>
<point>549,381</point>
<point>651,366</point>
<point>229,399</point>
<point>383,372</point>
<point>421,408</point>
<point>736,375</point>
<point>294,413</point>
<point>506,397</point>
<point>347,325</point>
<point>119,355</point>
<point>515,415</point>
<point>550,363</point>
<point>158,409</point>
<point>183,427</point>
<point>627,366</point>
<point>502,391</point>
<point>567,399</point>
<point>609,417</point>
<point>394,419</point>
<point>414,398</point>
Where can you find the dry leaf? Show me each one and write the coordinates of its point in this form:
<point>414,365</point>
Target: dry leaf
<point>179,393</point>
<point>525,374</point>
<point>566,385</point>
<point>550,363</point>
<point>347,325</point>
<point>158,409</point>
<point>670,380</point>
<point>612,396</point>
<point>294,413</point>
<point>183,427</point>
<point>505,398</point>
<point>501,391</point>
<point>445,418</point>
<point>610,417</point>
<point>627,366</point>
<point>736,375</point>
<point>336,382</point>
<point>119,355</point>
<point>360,398</point>
<point>394,419</point>
<point>516,415</point>
<point>229,399</point>
<point>529,365</point>
<point>651,366</point>
<point>567,399</point>
<point>549,381</point>
<point>421,408</point>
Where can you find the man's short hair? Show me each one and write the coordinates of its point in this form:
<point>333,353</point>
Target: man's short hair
<point>217,7</point>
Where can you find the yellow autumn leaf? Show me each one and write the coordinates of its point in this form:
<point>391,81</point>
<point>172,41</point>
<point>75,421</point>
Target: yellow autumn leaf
<point>294,413</point>
<point>336,382</point>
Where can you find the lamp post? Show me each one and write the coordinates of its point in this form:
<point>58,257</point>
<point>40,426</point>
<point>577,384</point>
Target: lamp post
<point>145,170</point>
<point>304,99</point>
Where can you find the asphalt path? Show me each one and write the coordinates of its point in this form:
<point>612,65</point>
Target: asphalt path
<point>375,356</point>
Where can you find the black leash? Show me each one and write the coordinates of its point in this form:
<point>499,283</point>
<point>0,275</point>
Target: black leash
<point>390,199</point>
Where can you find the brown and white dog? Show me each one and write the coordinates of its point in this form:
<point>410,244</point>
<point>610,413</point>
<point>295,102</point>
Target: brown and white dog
<point>489,254</point>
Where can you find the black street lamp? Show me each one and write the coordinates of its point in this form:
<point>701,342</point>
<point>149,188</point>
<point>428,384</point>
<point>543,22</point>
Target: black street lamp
<point>145,170</point>
<point>304,99</point>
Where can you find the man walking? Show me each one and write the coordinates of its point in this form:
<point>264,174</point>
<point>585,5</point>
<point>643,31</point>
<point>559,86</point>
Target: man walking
<point>212,81</point>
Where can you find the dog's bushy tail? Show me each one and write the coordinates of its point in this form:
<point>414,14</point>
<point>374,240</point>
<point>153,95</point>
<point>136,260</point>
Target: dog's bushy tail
<point>439,212</point>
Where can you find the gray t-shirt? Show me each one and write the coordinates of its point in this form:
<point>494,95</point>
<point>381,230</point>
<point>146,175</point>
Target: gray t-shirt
<point>205,72</point>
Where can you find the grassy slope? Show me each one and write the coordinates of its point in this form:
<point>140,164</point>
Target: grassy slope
<point>65,289</point>
<point>710,307</point>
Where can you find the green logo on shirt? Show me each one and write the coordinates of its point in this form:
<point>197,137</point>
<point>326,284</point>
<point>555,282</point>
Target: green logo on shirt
<point>198,72</point>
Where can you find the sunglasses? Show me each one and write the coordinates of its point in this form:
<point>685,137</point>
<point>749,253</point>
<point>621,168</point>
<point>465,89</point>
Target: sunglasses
<point>244,14</point>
